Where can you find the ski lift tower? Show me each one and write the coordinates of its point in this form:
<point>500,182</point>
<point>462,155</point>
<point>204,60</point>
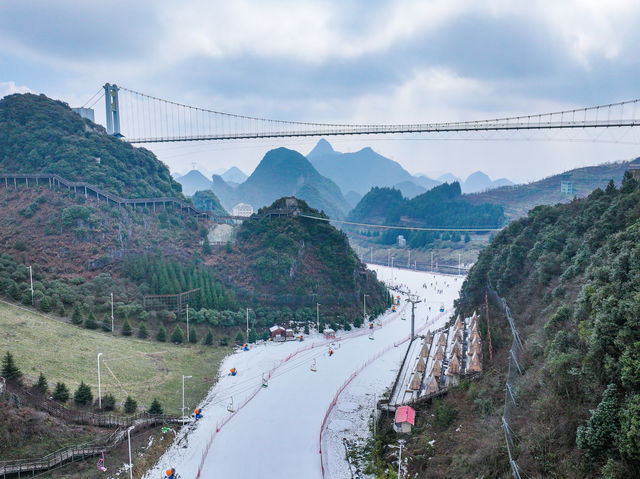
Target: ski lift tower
<point>413,301</point>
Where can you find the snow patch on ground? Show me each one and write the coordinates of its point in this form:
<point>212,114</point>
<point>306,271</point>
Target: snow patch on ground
<point>275,434</point>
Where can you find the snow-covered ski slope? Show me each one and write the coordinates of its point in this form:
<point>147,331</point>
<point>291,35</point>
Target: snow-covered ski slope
<point>275,431</point>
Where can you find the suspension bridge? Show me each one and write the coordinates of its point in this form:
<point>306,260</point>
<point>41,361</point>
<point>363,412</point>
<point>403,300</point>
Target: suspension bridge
<point>140,118</point>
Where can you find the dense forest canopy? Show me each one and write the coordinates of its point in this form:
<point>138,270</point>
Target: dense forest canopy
<point>41,135</point>
<point>440,207</point>
<point>573,273</point>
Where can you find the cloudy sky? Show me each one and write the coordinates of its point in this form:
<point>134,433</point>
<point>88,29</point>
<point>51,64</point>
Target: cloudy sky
<point>346,61</point>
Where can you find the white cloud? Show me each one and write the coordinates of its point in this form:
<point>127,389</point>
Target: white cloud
<point>10,87</point>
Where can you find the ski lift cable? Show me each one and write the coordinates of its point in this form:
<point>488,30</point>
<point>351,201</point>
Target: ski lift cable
<point>409,228</point>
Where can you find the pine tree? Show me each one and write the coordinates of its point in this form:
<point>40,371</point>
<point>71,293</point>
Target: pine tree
<point>253,335</point>
<point>61,393</point>
<point>161,335</point>
<point>143,333</point>
<point>42,386</point>
<point>240,337</point>
<point>45,305</point>
<point>108,402</point>
<point>130,405</point>
<point>60,311</point>
<point>9,369</point>
<point>106,323</point>
<point>26,298</point>
<point>83,394</point>
<point>90,322</point>
<point>76,316</point>
<point>126,328</point>
<point>206,247</point>
<point>209,339</point>
<point>193,335</point>
<point>177,336</point>
<point>155,408</point>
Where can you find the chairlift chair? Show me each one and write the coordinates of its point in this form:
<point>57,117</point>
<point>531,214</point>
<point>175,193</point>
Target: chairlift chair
<point>230,407</point>
<point>314,367</point>
<point>265,384</point>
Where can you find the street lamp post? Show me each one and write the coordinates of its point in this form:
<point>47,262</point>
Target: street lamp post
<point>183,378</point>
<point>99,384</point>
<point>130,462</point>
<point>318,316</point>
<point>33,303</point>
<point>459,264</point>
<point>188,336</point>
<point>112,330</point>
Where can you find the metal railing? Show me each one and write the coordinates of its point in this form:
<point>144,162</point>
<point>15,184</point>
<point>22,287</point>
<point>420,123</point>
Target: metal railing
<point>515,374</point>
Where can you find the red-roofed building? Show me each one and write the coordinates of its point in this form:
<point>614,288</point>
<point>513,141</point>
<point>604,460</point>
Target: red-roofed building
<point>405,419</point>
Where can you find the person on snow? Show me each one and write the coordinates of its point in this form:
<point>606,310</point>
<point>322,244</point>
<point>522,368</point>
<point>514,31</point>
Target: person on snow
<point>198,413</point>
<point>331,352</point>
<point>171,473</point>
<point>233,371</point>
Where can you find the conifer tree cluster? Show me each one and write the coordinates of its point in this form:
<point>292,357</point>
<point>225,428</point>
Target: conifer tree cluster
<point>164,276</point>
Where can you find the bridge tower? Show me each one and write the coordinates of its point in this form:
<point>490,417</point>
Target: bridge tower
<point>112,109</point>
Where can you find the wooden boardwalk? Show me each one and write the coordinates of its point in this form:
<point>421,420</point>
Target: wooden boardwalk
<point>31,466</point>
<point>14,180</point>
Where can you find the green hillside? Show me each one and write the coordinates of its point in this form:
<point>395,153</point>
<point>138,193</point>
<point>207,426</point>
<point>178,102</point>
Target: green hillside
<point>208,201</point>
<point>440,207</point>
<point>571,276</point>
<point>519,199</point>
<point>41,135</point>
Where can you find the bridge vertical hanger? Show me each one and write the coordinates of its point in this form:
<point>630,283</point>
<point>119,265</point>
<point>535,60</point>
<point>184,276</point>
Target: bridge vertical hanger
<point>112,109</point>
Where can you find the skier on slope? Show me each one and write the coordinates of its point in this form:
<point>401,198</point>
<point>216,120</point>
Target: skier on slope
<point>171,474</point>
<point>198,413</point>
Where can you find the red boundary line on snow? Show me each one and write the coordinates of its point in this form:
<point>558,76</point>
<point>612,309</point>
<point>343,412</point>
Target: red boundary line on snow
<point>352,377</point>
<point>259,388</point>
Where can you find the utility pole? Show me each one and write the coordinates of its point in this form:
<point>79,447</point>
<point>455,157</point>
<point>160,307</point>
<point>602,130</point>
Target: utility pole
<point>99,385</point>
<point>388,257</point>
<point>432,261</point>
<point>375,413</point>
<point>364,308</point>
<point>187,323</point>
<point>112,330</point>
<point>409,259</point>
<point>318,316</point>
<point>183,378</point>
<point>371,255</point>
<point>459,264</point>
<point>413,302</point>
<point>248,325</point>
<point>399,446</point>
<point>33,303</point>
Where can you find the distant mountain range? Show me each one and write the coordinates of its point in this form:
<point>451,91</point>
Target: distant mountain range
<point>360,171</point>
<point>194,180</point>
<point>364,169</point>
<point>517,200</point>
<point>234,175</point>
<point>284,172</point>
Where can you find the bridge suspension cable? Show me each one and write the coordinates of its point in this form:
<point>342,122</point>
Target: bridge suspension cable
<point>149,119</point>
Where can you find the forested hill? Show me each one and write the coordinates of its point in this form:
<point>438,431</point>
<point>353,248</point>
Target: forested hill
<point>441,206</point>
<point>305,260</point>
<point>41,135</point>
<point>571,275</point>
<point>517,200</point>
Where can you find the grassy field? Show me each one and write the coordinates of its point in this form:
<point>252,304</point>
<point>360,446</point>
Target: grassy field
<point>142,369</point>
